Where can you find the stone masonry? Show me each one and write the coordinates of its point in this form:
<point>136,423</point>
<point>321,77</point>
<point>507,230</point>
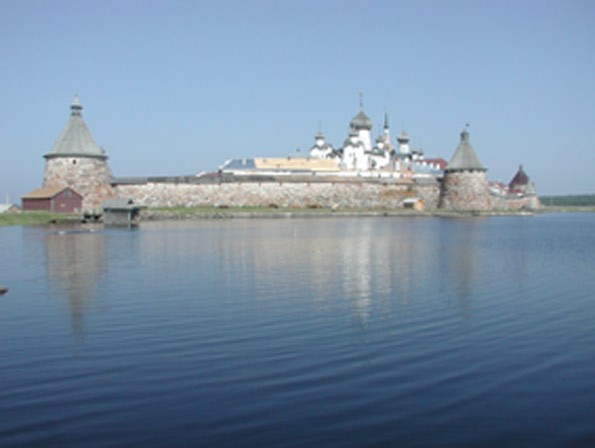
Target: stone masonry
<point>350,195</point>
<point>88,176</point>
<point>466,191</point>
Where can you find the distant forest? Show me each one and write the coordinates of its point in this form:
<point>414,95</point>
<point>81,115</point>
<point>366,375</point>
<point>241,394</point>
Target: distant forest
<point>579,200</point>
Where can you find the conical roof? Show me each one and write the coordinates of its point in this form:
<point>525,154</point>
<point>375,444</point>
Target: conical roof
<point>464,157</point>
<point>75,139</point>
<point>519,179</point>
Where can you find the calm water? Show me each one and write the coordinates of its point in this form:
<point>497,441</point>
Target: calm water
<point>322,332</point>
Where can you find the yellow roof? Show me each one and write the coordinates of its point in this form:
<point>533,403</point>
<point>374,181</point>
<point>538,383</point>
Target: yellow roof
<point>44,193</point>
<point>295,164</point>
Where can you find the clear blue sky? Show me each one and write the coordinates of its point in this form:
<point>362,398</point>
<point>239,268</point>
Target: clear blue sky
<point>178,87</point>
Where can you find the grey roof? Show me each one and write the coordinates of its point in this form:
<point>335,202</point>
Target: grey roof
<point>323,146</point>
<point>75,139</point>
<point>239,164</point>
<point>403,137</point>
<point>120,204</point>
<point>361,121</point>
<point>464,157</point>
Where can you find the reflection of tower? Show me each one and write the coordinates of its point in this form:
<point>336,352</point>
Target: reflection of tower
<point>404,259</point>
<point>463,258</point>
<point>76,161</point>
<point>75,262</point>
<point>357,263</point>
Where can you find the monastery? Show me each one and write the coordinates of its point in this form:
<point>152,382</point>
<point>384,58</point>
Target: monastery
<point>362,173</point>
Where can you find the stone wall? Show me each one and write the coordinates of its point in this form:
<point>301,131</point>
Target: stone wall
<point>88,176</point>
<point>345,195</point>
<point>508,203</point>
<point>465,191</point>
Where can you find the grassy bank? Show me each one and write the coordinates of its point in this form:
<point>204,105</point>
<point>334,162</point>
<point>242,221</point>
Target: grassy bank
<point>36,218</point>
<point>189,213</point>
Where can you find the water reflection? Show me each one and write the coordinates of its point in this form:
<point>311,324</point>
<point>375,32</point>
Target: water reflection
<point>462,259</point>
<point>465,249</point>
<point>367,266</point>
<point>75,263</point>
<point>373,264</point>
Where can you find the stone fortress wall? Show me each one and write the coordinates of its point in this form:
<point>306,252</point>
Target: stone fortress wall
<point>329,195</point>
<point>78,162</point>
<point>285,194</point>
<point>88,176</point>
<point>465,190</point>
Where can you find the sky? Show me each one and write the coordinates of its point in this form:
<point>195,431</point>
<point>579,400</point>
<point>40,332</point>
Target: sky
<point>178,87</point>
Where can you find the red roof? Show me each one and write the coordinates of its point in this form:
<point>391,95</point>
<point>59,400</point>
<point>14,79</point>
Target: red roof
<point>519,179</point>
<point>437,161</point>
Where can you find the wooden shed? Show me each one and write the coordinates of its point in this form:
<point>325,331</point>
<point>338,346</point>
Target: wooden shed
<point>57,200</point>
<point>121,212</point>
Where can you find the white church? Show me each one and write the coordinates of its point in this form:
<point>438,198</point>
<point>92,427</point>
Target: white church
<point>358,156</point>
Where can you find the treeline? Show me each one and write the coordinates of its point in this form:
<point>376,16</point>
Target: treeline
<point>578,200</point>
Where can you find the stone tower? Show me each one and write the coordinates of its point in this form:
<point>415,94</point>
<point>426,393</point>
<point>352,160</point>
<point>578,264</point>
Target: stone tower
<point>76,161</point>
<point>522,186</point>
<point>465,185</point>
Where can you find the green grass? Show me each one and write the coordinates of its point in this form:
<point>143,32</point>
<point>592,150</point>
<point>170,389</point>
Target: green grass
<point>35,218</point>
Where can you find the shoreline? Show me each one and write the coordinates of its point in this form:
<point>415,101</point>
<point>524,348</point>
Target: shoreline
<point>159,215</point>
<point>179,214</point>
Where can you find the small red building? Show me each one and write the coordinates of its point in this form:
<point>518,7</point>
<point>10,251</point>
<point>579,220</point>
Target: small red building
<point>57,200</point>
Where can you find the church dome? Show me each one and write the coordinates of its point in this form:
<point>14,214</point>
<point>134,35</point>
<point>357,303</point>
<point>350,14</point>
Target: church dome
<point>403,137</point>
<point>361,121</point>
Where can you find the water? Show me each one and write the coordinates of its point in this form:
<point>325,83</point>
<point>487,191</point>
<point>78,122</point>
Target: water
<point>326,332</point>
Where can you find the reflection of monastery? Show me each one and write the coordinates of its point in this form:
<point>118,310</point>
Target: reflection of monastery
<point>362,173</point>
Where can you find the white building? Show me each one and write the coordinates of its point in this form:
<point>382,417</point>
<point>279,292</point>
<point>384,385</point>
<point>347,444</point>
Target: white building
<point>354,153</point>
<point>358,157</point>
<point>321,149</point>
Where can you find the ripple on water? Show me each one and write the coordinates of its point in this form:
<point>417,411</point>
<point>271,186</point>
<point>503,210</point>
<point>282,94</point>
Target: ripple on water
<point>324,332</point>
